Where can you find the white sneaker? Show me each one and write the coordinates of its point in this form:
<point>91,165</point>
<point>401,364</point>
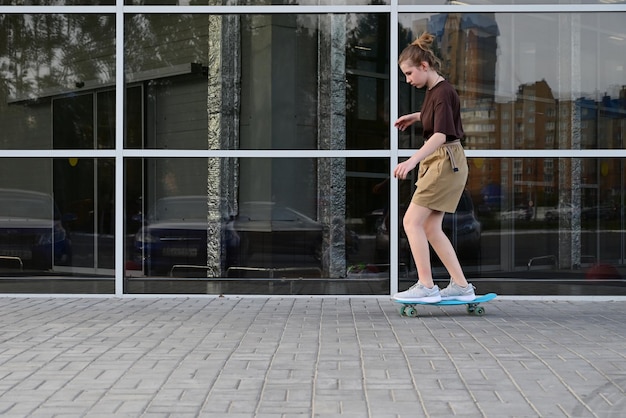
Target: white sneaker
<point>419,293</point>
<point>456,292</point>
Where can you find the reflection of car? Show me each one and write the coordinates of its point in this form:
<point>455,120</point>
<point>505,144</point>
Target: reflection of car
<point>175,233</point>
<point>522,212</point>
<point>31,230</point>
<point>461,227</point>
<point>564,210</point>
<point>265,227</point>
<point>604,212</point>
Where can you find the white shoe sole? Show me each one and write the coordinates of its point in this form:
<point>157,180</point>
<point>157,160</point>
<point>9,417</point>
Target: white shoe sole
<point>429,299</point>
<point>460,298</point>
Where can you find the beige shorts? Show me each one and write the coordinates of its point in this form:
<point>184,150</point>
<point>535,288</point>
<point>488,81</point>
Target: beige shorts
<point>439,186</point>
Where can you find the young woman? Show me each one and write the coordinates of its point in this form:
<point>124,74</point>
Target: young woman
<point>441,177</point>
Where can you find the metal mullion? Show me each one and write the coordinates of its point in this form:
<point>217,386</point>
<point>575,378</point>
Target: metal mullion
<point>269,9</point>
<point>119,147</point>
<point>521,8</point>
<point>57,9</point>
<point>394,260</point>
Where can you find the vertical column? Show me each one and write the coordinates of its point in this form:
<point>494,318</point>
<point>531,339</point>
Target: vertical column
<point>332,134</point>
<point>223,121</point>
<point>570,169</point>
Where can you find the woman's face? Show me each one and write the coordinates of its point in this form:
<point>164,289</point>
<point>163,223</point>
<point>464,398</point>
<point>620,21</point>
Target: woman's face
<point>415,76</point>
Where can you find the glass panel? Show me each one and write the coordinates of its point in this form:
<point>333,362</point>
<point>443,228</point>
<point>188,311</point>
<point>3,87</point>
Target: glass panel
<point>261,81</point>
<point>56,225</point>
<point>537,226</point>
<point>54,68</point>
<point>519,91</point>
<point>311,232</point>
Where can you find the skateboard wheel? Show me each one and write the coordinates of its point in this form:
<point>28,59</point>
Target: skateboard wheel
<point>479,311</point>
<point>410,311</point>
<point>402,310</point>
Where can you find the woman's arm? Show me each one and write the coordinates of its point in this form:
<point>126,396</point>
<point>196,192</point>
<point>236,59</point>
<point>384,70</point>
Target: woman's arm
<point>405,121</point>
<point>434,142</point>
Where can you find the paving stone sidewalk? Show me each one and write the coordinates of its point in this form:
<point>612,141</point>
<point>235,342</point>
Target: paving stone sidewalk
<point>309,357</point>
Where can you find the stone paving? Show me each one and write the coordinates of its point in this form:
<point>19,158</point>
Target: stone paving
<point>309,357</point>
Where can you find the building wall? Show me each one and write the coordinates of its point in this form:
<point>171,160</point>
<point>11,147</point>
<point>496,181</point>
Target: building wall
<point>224,149</point>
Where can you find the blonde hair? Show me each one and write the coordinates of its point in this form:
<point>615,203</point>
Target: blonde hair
<point>420,51</point>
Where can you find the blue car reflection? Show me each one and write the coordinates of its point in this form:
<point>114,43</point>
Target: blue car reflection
<point>269,228</point>
<point>175,233</point>
<point>32,235</point>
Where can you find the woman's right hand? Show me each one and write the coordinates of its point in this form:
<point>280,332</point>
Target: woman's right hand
<point>402,170</point>
<point>405,121</point>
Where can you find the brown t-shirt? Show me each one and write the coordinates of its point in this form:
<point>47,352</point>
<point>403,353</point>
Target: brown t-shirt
<point>441,112</point>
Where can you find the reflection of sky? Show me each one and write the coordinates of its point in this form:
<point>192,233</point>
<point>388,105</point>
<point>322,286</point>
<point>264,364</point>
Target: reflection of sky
<point>578,54</point>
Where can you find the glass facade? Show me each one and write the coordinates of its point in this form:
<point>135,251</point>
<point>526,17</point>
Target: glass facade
<point>246,147</point>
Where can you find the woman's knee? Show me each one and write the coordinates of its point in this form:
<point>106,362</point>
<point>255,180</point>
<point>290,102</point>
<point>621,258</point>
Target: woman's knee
<point>408,222</point>
<point>411,222</point>
<point>433,227</point>
<point>416,217</point>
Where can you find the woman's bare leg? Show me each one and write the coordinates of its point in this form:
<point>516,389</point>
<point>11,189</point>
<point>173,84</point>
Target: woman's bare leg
<point>443,247</point>
<point>413,222</point>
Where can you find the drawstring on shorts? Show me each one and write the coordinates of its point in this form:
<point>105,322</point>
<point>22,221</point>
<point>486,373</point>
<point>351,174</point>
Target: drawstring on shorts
<point>446,146</point>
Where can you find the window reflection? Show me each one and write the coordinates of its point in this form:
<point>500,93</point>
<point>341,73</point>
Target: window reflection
<point>562,218</point>
<point>564,226</point>
<point>57,219</point>
<point>317,222</point>
<point>61,65</point>
<point>33,235</point>
<point>516,92</point>
<point>293,82</point>
<point>261,81</point>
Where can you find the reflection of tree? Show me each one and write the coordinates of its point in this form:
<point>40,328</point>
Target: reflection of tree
<point>366,48</point>
<point>52,51</point>
<point>163,40</point>
<point>62,52</point>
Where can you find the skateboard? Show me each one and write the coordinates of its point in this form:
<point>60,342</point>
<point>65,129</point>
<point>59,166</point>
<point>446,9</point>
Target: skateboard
<point>473,308</point>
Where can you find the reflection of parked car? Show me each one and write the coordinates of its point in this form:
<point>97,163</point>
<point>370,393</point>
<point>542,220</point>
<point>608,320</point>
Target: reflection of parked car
<point>461,227</point>
<point>562,211</point>
<point>31,230</point>
<point>603,212</point>
<point>175,233</point>
<point>265,227</point>
<point>522,212</point>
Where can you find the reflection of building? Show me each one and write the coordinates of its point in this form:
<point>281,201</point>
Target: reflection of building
<point>536,120</point>
<point>467,44</point>
<point>532,126</point>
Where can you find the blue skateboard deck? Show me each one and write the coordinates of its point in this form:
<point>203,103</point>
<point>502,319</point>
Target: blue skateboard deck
<point>473,308</point>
